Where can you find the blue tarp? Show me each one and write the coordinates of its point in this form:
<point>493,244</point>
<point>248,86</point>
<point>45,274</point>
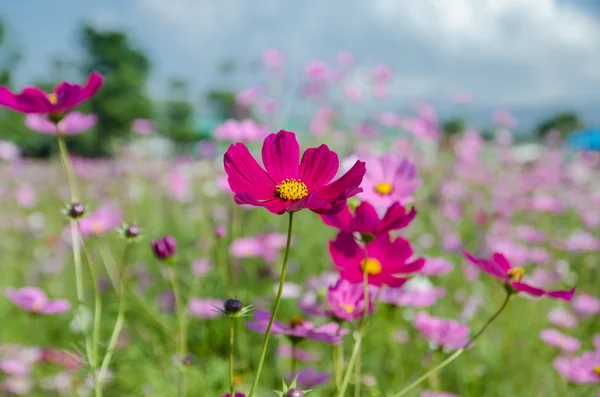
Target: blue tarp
<point>587,139</point>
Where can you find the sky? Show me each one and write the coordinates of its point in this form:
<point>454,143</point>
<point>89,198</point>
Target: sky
<point>534,57</point>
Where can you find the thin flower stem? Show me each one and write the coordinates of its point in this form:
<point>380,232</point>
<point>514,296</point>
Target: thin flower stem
<point>64,159</point>
<point>355,350</point>
<point>97,316</point>
<point>336,366</point>
<point>293,358</point>
<point>182,384</point>
<point>263,352</point>
<point>114,338</point>
<point>457,353</point>
<point>231,331</point>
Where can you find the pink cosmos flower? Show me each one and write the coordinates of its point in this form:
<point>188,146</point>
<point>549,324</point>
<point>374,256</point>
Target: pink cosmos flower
<point>556,338</point>
<point>248,97</point>
<point>26,196</point>
<point>201,267</point>
<point>365,219</point>
<point>64,97</point>
<point>273,59</point>
<point>316,69</point>
<point>586,305</point>
<point>205,308</point>
<point>299,354</point>
<point>328,333</point>
<point>353,93</point>
<point>389,179</point>
<point>72,124</point>
<point>143,126</point>
<point>34,300</point>
<point>347,300</point>
<point>266,246</point>
<point>9,151</point>
<point>14,367</point>
<point>448,334</point>
<point>345,58</point>
<point>437,266</point>
<point>382,73</point>
<point>246,130</point>
<point>504,118</point>
<point>499,267</point>
<point>236,395</point>
<point>584,369</point>
<point>287,186</point>
<point>387,261</point>
<point>425,125</point>
<point>562,317</point>
<point>309,378</point>
<point>104,219</point>
<point>313,302</point>
<point>417,292</point>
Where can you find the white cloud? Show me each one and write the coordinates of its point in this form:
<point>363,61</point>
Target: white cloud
<point>513,53</point>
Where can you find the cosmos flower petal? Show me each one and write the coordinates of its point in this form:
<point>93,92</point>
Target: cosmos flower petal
<point>40,123</point>
<point>528,289</point>
<point>565,295</point>
<point>341,220</point>
<point>344,250</point>
<point>396,217</point>
<point>486,265</point>
<point>56,306</point>
<point>345,186</point>
<point>68,95</point>
<point>246,175</point>
<point>281,156</point>
<point>318,166</point>
<point>501,261</point>
<point>91,86</point>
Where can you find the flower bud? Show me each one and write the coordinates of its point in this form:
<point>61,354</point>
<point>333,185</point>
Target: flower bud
<point>233,306</point>
<point>295,393</point>
<point>76,210</point>
<point>132,231</point>
<point>164,248</point>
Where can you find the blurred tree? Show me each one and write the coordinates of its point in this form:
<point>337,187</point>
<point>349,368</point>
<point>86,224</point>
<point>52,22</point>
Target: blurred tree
<point>178,113</point>
<point>122,97</point>
<point>223,105</point>
<point>563,122</point>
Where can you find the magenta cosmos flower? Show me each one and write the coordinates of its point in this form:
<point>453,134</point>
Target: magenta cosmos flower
<point>236,395</point>
<point>499,267</point>
<point>72,124</point>
<point>389,179</point>
<point>448,334</point>
<point>584,369</point>
<point>387,263</point>
<point>289,185</point>
<point>64,97</point>
<point>298,328</point>
<point>34,300</point>
<point>347,300</point>
<point>365,219</point>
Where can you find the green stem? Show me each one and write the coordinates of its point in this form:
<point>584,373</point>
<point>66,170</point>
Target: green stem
<point>263,352</point>
<point>114,338</point>
<point>231,327</point>
<point>293,362</point>
<point>355,350</point>
<point>457,353</point>
<point>182,333</point>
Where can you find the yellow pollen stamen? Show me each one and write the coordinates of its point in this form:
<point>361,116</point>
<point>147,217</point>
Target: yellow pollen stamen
<point>53,98</point>
<point>291,189</point>
<point>516,274</point>
<point>296,322</point>
<point>371,266</point>
<point>597,369</point>
<point>98,227</point>
<point>384,188</point>
<point>348,308</point>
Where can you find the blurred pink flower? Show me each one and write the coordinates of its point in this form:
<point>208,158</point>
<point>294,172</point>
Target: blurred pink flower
<point>529,234</point>
<point>388,179</point>
<point>437,394</point>
<point>437,266</point>
<point>581,241</point>
<point>9,151</point>
<point>73,123</point>
<point>317,69</point>
<point>448,334</point>
<point>347,300</point>
<point>179,186</point>
<point>143,126</point>
<point>425,125</point>
<point>581,369</point>
<point>556,338</point>
<point>104,219</point>
<point>451,241</point>
<point>382,73</point>
<point>542,202</point>
<point>309,378</point>
<point>462,98</point>
<point>417,292</point>
<point>18,385</point>
<point>345,59</point>
<point>299,354</point>
<point>562,317</point>
<point>248,97</point>
<point>266,246</point>
<point>26,197</point>
<point>586,305</point>
<point>401,336</point>
<point>504,118</point>
<point>353,93</point>
<point>273,59</point>
<point>201,267</point>
<point>205,308</point>
<point>34,300</point>
<point>321,122</point>
<point>14,367</point>
<point>246,130</point>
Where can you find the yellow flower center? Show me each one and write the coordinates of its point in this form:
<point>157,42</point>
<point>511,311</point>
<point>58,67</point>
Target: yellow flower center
<point>296,322</point>
<point>516,274</point>
<point>37,305</point>
<point>371,266</point>
<point>53,98</point>
<point>348,308</point>
<point>291,189</point>
<point>384,188</point>
<point>597,369</point>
